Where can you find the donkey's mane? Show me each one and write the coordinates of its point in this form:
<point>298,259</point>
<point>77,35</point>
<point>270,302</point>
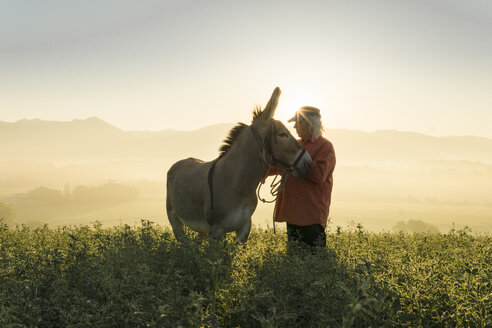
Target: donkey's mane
<point>236,131</point>
<point>229,141</point>
<point>257,112</point>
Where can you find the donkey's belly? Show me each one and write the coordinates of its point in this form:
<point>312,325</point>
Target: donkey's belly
<point>195,222</point>
<point>237,218</point>
<point>202,227</point>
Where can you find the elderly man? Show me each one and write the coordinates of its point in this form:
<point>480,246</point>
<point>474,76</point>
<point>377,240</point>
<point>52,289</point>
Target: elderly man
<point>304,203</point>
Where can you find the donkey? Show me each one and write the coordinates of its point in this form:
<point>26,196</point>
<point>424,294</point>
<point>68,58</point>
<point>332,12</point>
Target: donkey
<point>219,196</point>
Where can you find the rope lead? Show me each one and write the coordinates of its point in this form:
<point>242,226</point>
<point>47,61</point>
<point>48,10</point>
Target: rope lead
<point>275,189</point>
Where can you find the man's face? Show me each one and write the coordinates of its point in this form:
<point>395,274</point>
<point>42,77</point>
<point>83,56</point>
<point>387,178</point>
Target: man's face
<point>303,129</point>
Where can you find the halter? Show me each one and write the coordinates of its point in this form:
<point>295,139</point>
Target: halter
<point>268,149</point>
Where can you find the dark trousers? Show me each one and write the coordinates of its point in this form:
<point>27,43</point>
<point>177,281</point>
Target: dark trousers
<point>312,235</point>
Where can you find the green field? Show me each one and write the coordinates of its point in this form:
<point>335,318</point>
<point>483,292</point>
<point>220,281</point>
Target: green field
<point>139,276</point>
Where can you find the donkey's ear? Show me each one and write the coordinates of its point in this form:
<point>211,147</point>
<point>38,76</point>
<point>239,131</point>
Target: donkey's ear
<point>271,106</point>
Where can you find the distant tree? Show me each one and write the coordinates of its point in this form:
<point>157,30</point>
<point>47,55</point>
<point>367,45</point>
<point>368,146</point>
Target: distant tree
<point>114,192</point>
<point>414,226</point>
<point>6,213</point>
<point>82,194</point>
<point>109,193</point>
<point>45,195</point>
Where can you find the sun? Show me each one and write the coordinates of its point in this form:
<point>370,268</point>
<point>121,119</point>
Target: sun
<point>294,97</point>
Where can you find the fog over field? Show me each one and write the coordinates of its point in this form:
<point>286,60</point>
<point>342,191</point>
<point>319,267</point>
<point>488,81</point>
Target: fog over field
<point>80,171</point>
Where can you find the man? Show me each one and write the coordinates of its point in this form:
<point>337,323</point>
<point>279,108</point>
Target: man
<point>304,203</point>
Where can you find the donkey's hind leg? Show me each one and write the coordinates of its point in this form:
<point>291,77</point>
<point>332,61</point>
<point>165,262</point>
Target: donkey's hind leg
<point>176,223</point>
<point>177,226</point>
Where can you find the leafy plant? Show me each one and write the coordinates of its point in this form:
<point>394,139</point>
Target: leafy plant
<point>140,276</point>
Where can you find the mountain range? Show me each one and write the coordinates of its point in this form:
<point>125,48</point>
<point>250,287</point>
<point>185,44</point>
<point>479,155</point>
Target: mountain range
<point>94,139</point>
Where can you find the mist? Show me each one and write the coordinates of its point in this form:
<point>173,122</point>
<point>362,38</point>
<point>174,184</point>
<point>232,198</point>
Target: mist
<point>78,172</point>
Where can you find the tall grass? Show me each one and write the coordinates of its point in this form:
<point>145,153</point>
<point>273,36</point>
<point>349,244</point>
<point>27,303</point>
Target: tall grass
<point>141,277</point>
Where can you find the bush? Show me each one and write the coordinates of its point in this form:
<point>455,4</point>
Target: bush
<point>141,277</point>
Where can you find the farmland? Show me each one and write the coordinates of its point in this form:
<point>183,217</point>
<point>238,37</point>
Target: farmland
<point>139,276</point>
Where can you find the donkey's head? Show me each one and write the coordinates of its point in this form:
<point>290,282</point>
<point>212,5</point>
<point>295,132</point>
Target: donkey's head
<point>279,147</point>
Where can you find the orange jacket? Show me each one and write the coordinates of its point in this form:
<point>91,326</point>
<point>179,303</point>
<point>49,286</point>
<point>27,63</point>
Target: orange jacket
<point>307,201</point>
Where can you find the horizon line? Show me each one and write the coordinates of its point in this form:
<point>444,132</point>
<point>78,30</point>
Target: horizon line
<point>232,124</point>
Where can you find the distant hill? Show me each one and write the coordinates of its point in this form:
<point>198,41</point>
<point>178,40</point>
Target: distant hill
<point>390,147</point>
<point>94,139</point>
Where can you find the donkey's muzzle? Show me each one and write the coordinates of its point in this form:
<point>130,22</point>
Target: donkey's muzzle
<point>302,164</point>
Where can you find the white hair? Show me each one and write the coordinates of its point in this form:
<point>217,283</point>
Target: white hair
<point>313,116</point>
<point>316,126</point>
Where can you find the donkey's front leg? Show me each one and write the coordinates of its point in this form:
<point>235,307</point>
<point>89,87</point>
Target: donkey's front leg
<point>242,233</point>
<point>215,232</point>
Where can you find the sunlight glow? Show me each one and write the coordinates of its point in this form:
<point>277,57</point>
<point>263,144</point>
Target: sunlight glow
<point>295,96</point>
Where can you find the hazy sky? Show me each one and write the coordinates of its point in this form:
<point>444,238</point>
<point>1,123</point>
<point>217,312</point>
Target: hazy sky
<point>420,65</point>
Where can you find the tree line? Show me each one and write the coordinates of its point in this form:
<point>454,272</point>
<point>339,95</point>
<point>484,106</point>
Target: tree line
<point>108,193</point>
